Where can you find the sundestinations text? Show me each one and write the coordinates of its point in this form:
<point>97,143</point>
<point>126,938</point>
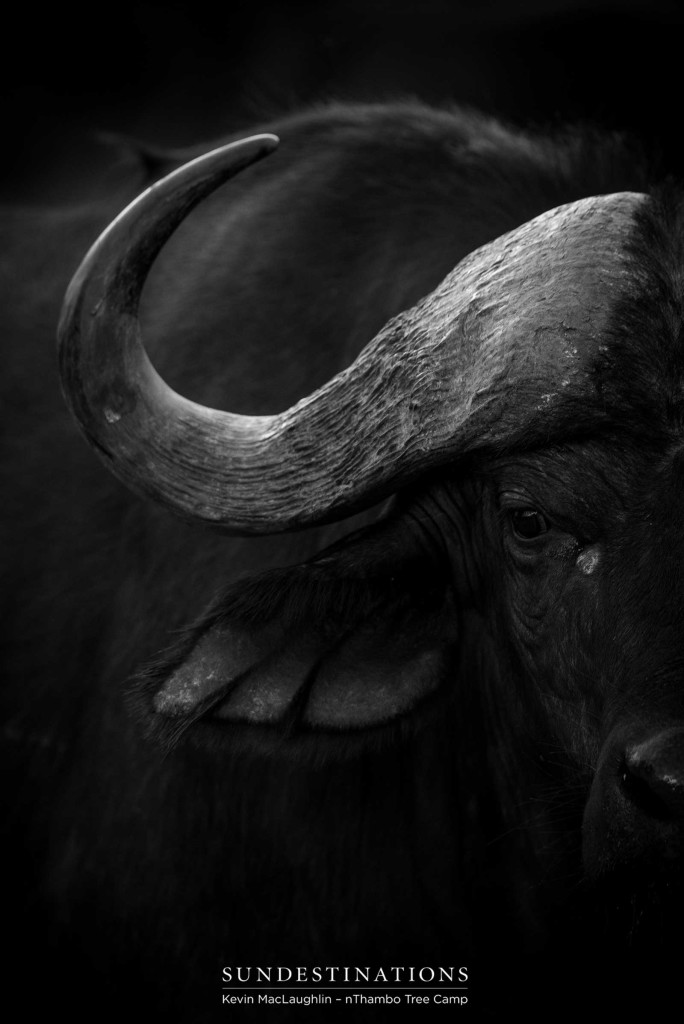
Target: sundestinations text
<point>353,975</point>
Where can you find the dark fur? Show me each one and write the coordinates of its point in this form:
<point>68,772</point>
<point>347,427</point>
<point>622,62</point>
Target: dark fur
<point>148,866</point>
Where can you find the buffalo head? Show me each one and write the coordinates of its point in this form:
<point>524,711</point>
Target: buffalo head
<point>523,425</point>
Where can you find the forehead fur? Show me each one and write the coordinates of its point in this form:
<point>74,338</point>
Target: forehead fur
<point>640,373</point>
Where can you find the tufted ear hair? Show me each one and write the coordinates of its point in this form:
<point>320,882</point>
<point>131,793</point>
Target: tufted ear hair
<point>352,640</point>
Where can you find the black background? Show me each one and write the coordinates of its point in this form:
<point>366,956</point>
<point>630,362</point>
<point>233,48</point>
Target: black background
<point>177,73</point>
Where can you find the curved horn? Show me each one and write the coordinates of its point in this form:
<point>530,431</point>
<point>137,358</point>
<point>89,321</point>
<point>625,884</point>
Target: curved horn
<point>489,356</point>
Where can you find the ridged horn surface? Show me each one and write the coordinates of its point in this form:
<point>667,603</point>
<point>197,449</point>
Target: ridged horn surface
<point>491,356</point>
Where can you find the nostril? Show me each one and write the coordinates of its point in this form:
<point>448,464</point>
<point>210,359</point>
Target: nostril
<point>652,774</point>
<point>639,792</point>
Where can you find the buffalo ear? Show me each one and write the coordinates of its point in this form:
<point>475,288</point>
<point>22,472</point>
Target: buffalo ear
<point>354,639</point>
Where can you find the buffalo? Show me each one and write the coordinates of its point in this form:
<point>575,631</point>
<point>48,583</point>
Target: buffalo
<point>384,666</point>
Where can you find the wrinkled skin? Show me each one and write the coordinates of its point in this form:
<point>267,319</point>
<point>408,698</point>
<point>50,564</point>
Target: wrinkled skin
<point>594,601</point>
<point>596,608</point>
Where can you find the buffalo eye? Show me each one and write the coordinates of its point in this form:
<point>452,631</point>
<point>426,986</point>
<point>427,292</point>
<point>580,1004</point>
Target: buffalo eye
<point>528,523</point>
